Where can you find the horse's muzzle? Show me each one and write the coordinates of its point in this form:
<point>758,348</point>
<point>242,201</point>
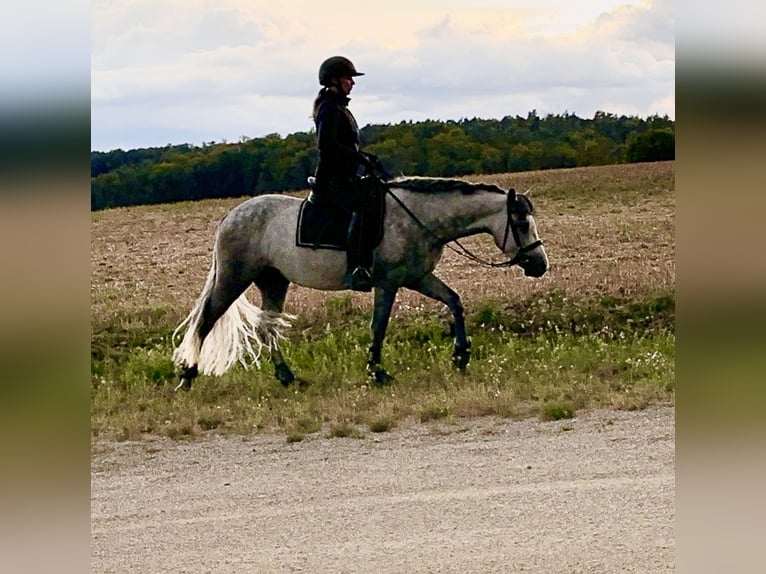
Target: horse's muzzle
<point>537,271</point>
<point>534,266</point>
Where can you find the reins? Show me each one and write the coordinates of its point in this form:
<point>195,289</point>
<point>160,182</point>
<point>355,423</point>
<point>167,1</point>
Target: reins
<point>464,251</point>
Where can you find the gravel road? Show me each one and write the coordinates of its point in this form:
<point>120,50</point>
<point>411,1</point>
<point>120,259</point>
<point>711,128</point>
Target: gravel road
<point>592,494</point>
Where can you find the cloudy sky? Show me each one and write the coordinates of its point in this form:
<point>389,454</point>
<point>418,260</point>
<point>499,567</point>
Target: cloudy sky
<point>193,71</point>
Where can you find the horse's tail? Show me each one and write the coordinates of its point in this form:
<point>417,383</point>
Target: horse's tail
<point>240,334</point>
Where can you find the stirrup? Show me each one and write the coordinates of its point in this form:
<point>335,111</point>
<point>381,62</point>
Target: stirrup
<point>359,280</point>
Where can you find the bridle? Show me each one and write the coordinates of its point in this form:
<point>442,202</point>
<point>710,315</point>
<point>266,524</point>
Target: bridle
<point>514,228</point>
<point>511,227</point>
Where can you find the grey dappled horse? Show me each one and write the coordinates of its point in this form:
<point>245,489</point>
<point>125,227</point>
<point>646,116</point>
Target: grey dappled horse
<point>255,244</point>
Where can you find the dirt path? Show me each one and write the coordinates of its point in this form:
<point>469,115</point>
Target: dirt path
<point>594,494</point>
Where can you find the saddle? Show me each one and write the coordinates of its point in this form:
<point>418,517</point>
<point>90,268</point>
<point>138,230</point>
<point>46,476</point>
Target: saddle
<point>321,225</point>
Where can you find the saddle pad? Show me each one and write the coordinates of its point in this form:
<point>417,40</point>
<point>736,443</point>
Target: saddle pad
<point>321,227</point>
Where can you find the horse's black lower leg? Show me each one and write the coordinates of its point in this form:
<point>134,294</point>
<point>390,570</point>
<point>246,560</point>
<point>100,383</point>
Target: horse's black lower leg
<point>188,374</point>
<point>224,293</point>
<point>375,370</point>
<point>273,287</point>
<point>433,287</point>
<point>461,355</point>
<point>384,301</point>
<point>282,370</point>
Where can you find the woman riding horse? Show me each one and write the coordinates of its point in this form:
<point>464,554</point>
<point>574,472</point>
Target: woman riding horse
<point>339,163</point>
<point>254,246</point>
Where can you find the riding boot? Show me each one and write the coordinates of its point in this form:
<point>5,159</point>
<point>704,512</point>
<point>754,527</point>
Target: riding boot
<point>358,276</point>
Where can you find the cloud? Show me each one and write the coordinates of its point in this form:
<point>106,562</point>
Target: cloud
<point>623,62</point>
<point>234,68</point>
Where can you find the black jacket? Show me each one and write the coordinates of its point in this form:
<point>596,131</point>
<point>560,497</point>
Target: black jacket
<point>337,138</point>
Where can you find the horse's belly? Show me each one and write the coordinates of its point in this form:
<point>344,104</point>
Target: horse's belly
<point>314,268</point>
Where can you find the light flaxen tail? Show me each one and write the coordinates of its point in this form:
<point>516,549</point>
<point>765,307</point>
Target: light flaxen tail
<point>240,334</point>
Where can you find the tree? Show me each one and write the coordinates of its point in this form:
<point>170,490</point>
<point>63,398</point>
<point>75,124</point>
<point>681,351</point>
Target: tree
<point>429,148</point>
<point>652,145</point>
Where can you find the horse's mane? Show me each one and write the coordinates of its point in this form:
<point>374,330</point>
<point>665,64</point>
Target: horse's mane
<point>435,185</point>
<point>441,185</point>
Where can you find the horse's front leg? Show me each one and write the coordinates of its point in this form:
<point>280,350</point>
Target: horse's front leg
<point>384,301</point>
<point>433,287</point>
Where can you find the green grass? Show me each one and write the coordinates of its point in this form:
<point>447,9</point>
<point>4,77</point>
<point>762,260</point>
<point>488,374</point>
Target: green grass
<point>548,357</point>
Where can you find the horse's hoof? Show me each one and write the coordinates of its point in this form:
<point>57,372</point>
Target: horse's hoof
<point>284,374</point>
<point>186,377</point>
<point>379,376</point>
<point>184,384</point>
<point>461,358</point>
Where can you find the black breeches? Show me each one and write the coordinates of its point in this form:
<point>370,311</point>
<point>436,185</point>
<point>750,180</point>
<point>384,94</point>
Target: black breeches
<point>349,198</point>
<point>358,251</point>
<point>355,200</point>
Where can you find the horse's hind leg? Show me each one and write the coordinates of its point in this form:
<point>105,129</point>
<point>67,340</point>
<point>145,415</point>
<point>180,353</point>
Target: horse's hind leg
<point>222,290</point>
<point>273,287</point>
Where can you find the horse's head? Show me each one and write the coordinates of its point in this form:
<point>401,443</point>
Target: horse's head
<point>517,236</point>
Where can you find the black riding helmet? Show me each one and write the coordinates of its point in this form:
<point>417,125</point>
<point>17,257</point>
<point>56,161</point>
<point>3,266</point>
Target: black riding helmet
<point>336,67</point>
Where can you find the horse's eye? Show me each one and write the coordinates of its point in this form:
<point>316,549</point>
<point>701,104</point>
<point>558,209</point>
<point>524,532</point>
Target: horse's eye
<point>523,226</point>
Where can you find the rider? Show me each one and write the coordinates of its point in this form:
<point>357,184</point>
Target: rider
<point>340,160</point>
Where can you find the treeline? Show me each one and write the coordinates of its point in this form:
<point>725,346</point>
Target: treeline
<point>431,148</point>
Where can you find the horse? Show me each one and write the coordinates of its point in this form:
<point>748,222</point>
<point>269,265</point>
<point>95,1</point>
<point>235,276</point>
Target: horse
<point>255,244</point>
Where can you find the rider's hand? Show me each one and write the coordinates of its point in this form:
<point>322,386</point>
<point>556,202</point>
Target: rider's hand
<point>374,161</point>
<point>366,161</point>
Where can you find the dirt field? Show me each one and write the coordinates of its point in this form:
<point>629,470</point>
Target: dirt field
<point>611,243</point>
<point>593,494</point>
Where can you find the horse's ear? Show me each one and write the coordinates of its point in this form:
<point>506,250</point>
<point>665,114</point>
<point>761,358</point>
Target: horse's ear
<point>512,194</point>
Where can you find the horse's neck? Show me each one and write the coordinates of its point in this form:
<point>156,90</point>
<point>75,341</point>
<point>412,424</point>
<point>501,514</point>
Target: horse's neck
<point>454,215</point>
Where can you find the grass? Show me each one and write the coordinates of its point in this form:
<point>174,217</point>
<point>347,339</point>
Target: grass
<point>596,332</point>
<point>613,354</point>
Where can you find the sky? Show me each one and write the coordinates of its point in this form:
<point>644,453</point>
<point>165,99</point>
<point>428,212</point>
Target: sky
<point>198,71</point>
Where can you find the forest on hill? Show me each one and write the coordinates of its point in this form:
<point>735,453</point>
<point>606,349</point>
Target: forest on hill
<point>429,148</point>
